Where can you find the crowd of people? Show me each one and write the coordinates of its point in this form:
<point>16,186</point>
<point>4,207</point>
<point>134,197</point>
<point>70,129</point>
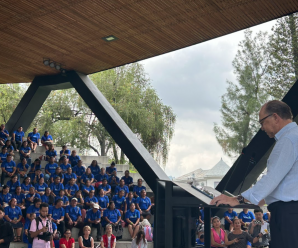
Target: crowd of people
<point>68,194</point>
<point>243,230</point>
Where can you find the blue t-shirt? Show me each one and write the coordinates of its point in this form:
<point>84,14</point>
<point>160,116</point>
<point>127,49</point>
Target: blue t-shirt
<point>73,189</point>
<point>144,203</point>
<point>246,217</point>
<point>26,187</point>
<point>54,175</point>
<point>132,216</point>
<point>119,202</point>
<point>93,216</point>
<point>9,148</point>
<point>57,213</point>
<point>12,186</point>
<point>56,188</point>
<point>95,170</point>
<point>2,135</point>
<point>5,198</point>
<point>105,188</point>
<point>79,170</point>
<point>128,180</point>
<point>113,182</point>
<point>19,135</point>
<point>45,199</point>
<point>51,168</point>
<point>63,198</point>
<point>13,213</point>
<point>88,200</point>
<point>64,167</point>
<point>25,150</point>
<point>112,215</point>
<point>66,152</point>
<point>29,203</point>
<point>199,242</point>
<point>74,160</point>
<point>46,138</point>
<point>230,215</point>
<point>100,177</point>
<point>34,136</point>
<point>21,167</point>
<point>85,177</point>
<point>8,166</point>
<point>103,201</point>
<point>265,217</point>
<point>37,167</point>
<point>51,154</point>
<point>3,156</point>
<point>110,170</point>
<point>41,188</point>
<point>138,189</point>
<point>32,209</point>
<point>19,198</point>
<point>125,188</point>
<point>129,202</point>
<point>68,177</point>
<point>73,212</point>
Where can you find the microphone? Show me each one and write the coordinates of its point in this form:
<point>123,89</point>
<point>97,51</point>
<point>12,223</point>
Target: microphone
<point>241,155</point>
<point>251,162</point>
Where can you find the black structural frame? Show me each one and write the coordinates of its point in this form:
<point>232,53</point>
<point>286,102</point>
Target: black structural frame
<point>41,87</point>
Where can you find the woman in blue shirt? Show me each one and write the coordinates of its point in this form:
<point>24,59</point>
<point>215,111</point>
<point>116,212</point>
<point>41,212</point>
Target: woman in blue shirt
<point>3,135</point>
<point>74,158</point>
<point>13,184</point>
<point>87,175</point>
<point>144,204</point>
<point>34,166</point>
<point>71,188</point>
<point>58,173</point>
<point>5,196</point>
<point>56,187</point>
<point>25,152</point>
<point>90,200</point>
<point>129,200</point>
<point>17,138</point>
<point>9,147</point>
<point>119,201</point>
<point>31,197</point>
<point>132,218</point>
<point>62,197</point>
<point>34,208</point>
<point>47,197</point>
<point>20,200</point>
<point>13,214</point>
<point>51,153</point>
<point>111,215</point>
<point>41,186</point>
<point>3,154</point>
<point>87,187</point>
<point>95,169</point>
<point>22,168</point>
<point>69,175</point>
<point>103,200</point>
<point>26,185</point>
<point>46,140</point>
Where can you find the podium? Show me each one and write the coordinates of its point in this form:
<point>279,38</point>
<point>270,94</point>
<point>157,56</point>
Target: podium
<point>176,210</point>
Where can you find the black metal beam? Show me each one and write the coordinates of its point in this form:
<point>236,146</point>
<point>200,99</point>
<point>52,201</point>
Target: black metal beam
<point>118,129</point>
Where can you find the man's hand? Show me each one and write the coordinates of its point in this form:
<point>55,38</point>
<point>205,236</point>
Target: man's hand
<point>70,222</point>
<point>75,223</point>
<point>44,229</point>
<point>224,199</point>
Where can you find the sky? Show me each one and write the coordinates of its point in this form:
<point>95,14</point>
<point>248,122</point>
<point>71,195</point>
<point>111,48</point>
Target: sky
<point>192,81</point>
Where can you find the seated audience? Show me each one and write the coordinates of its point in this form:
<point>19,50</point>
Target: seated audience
<point>50,168</point>
<point>108,240</point>
<point>4,134</point>
<point>229,216</point>
<point>238,238</point>
<point>71,188</point>
<point>40,187</point>
<point>138,188</point>
<point>73,216</point>
<point>35,166</point>
<point>123,187</point>
<point>93,219</point>
<point>33,139</point>
<point>47,140</point>
<point>217,234</point>
<point>74,158</point>
<point>13,183</point>
<point>51,152</point>
<point>25,152</point>
<point>129,200</point>
<point>62,197</point>
<point>17,138</point>
<point>102,175</point>
<point>143,204</point>
<point>128,180</point>
<point>67,241</point>
<point>255,229</point>
<point>30,197</point>
<point>246,217</point>
<point>26,185</point>
<point>106,188</point>
<point>20,197</point>
<point>132,218</point>
<point>94,167</point>
<point>111,215</point>
<point>139,241</point>
<point>9,147</point>
<point>103,200</point>
<point>34,208</point>
<point>86,239</point>
<point>90,200</point>
<point>58,173</point>
<point>3,154</point>
<point>8,168</point>
<point>13,214</point>
<point>65,152</point>
<point>35,178</point>
<point>69,175</point>
<point>111,169</point>
<point>88,175</point>
<point>65,165</point>
<point>5,196</point>
<point>58,214</point>
<point>113,181</point>
<point>22,168</point>
<point>79,170</point>
<point>48,198</point>
<point>119,201</point>
<point>87,188</point>
<point>200,240</point>
<point>56,186</point>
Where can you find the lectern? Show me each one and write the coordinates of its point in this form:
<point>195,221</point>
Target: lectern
<point>177,208</point>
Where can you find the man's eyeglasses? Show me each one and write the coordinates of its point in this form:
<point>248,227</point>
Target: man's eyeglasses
<point>262,120</point>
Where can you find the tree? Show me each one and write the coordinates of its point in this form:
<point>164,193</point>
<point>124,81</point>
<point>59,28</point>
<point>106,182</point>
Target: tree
<point>129,91</point>
<point>283,64</point>
<point>241,103</point>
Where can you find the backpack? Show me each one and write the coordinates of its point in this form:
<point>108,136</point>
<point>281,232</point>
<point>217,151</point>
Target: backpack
<point>148,233</point>
<point>30,239</point>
